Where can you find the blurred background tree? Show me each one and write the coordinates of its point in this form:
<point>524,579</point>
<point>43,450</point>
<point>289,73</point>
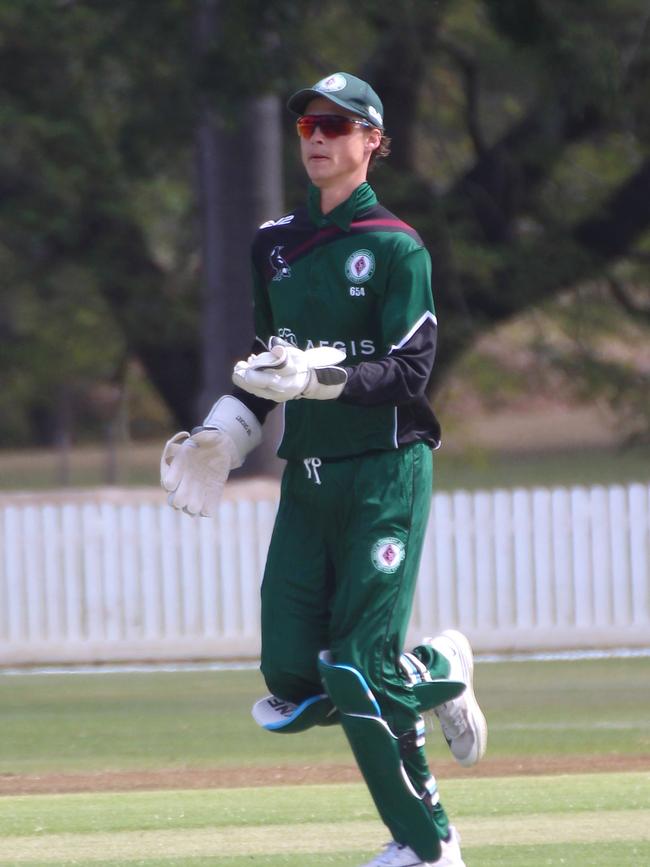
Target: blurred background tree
<point>142,144</point>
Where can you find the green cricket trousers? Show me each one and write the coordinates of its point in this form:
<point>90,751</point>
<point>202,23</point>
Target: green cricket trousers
<point>340,575</point>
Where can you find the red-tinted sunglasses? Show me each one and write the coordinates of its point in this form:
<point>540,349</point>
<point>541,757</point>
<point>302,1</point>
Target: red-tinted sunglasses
<point>331,125</point>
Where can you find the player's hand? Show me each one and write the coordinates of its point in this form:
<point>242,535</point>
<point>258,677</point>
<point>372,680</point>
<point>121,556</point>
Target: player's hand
<point>194,470</point>
<point>286,372</point>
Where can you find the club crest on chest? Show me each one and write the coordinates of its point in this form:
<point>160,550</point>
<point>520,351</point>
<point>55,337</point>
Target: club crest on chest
<point>360,266</point>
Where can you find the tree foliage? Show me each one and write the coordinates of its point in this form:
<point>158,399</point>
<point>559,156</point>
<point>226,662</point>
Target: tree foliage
<point>521,136</point>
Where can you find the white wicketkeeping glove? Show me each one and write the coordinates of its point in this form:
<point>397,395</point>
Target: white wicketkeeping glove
<point>194,468</point>
<point>286,372</point>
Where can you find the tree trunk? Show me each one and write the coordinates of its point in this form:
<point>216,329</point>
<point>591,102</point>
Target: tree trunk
<point>240,186</point>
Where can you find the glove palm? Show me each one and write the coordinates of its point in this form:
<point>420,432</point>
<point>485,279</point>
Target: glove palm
<point>194,470</point>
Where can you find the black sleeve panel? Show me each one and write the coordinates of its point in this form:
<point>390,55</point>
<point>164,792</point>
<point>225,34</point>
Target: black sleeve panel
<point>398,378</point>
<point>257,405</point>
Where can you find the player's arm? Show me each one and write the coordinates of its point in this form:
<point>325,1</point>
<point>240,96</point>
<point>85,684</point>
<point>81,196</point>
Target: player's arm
<point>409,330</point>
<point>194,467</point>
<point>264,329</point>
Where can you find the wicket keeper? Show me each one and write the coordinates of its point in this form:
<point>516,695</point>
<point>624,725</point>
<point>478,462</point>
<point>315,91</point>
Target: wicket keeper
<point>346,338</point>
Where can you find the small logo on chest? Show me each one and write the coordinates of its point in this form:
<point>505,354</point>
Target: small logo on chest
<point>360,266</point>
<point>279,264</point>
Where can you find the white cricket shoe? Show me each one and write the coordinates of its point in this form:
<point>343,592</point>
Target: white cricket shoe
<point>462,721</point>
<point>395,855</point>
<point>450,851</point>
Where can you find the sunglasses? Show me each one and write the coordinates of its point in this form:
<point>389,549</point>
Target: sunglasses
<point>331,125</point>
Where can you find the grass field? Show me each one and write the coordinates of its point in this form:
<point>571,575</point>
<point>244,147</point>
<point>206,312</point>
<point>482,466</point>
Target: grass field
<point>105,731</point>
<point>477,468</point>
<point>577,820</point>
<point>58,723</point>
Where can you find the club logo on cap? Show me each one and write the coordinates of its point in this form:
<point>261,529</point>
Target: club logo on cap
<point>387,554</point>
<point>332,83</point>
<point>360,266</point>
<point>375,115</point>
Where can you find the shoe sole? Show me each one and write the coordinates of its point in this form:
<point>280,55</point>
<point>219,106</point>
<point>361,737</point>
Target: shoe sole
<point>479,723</point>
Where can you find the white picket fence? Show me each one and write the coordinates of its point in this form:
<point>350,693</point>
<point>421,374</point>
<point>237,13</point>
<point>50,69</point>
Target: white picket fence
<point>101,579</point>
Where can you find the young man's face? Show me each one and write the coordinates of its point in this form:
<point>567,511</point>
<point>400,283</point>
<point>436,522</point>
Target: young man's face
<point>329,161</point>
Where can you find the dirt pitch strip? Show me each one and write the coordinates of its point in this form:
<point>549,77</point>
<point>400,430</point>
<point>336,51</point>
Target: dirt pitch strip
<point>292,775</point>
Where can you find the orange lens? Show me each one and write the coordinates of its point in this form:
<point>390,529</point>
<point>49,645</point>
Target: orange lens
<point>331,125</point>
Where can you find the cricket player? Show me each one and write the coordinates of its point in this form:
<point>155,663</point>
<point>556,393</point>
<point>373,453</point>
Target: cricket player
<point>346,336</point>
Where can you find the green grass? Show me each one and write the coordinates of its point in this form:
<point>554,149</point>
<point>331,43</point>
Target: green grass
<point>25,815</point>
<point>202,718</point>
<point>158,720</point>
<point>582,707</point>
<point>139,465</point>
<point>489,470</point>
<point>544,855</point>
<point>582,819</point>
<point>69,723</point>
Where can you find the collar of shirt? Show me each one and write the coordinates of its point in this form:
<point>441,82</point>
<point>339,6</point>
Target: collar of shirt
<point>361,199</point>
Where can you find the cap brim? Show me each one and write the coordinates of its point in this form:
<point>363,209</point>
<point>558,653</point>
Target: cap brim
<point>299,101</point>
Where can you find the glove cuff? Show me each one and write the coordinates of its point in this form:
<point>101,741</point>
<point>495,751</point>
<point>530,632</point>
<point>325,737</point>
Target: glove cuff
<point>325,383</point>
<point>234,418</point>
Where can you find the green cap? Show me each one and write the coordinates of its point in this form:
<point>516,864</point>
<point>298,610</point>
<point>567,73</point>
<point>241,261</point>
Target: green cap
<point>345,90</point>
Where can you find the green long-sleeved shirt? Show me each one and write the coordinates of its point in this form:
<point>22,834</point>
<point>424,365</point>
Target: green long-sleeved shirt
<point>360,279</point>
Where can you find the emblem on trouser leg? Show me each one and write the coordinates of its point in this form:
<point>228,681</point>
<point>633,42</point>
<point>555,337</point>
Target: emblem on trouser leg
<point>387,554</point>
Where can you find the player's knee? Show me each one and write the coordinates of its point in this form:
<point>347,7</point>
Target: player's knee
<point>278,683</point>
<point>288,683</point>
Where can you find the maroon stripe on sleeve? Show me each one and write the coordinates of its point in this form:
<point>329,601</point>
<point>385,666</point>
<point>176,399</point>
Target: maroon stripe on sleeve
<point>391,225</point>
<point>324,236</point>
<point>319,238</point>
